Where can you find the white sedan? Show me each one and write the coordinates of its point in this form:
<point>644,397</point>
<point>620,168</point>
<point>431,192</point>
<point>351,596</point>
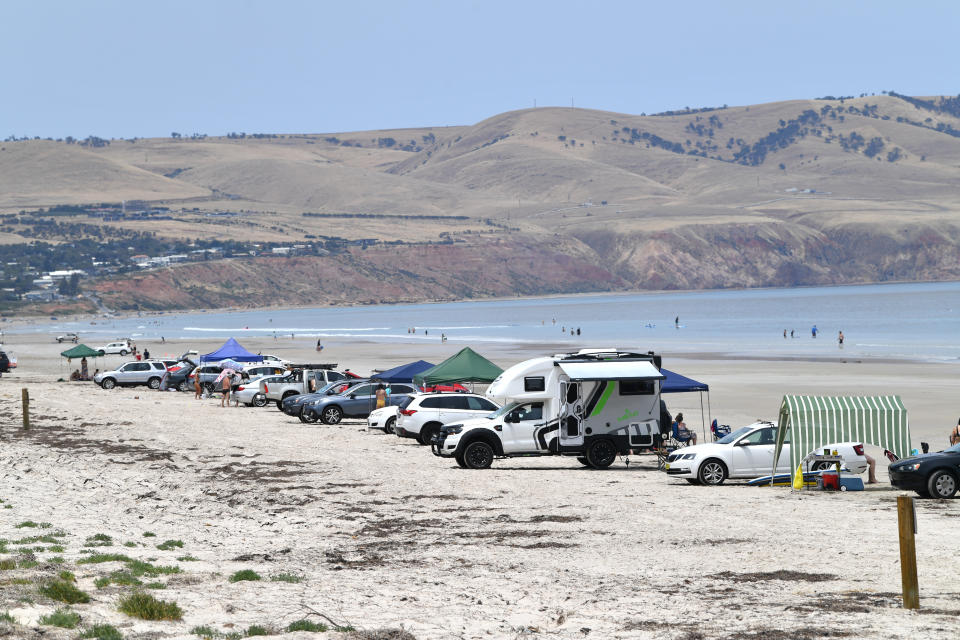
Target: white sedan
<point>748,453</point>
<point>384,418</point>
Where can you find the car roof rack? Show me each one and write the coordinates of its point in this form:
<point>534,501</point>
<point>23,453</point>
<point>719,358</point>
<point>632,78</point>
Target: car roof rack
<point>311,366</point>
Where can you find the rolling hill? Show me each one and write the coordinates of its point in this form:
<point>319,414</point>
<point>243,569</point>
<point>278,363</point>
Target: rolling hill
<point>782,194</point>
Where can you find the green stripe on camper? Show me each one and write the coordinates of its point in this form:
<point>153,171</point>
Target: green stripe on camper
<point>817,421</point>
<point>601,403</point>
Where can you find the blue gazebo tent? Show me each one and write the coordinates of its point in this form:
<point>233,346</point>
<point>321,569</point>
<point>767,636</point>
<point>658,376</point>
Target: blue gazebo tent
<point>405,372</point>
<point>231,349</point>
<point>676,383</point>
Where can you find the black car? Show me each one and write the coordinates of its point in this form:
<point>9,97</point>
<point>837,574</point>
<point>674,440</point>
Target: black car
<point>293,405</point>
<point>932,474</point>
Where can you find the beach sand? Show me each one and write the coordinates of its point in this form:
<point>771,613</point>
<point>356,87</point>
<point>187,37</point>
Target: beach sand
<point>383,535</point>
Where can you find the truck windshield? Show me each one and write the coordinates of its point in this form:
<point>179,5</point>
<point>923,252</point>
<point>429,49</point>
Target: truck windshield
<point>502,411</point>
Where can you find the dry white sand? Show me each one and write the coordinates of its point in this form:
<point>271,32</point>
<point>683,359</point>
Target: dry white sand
<point>385,535</point>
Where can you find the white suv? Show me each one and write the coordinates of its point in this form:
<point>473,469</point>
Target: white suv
<point>121,346</point>
<point>422,415</point>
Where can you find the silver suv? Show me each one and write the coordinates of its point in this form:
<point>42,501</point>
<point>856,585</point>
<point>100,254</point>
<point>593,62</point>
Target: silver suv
<point>133,373</point>
<point>422,415</point>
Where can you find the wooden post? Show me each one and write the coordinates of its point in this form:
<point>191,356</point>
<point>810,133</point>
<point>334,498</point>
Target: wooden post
<point>25,399</point>
<point>906,515</point>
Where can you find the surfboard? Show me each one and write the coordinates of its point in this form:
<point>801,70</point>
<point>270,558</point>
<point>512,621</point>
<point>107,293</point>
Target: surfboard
<point>785,480</point>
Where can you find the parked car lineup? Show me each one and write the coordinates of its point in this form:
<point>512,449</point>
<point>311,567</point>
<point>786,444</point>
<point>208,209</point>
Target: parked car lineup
<point>356,402</point>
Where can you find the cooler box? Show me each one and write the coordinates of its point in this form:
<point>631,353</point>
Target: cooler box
<point>829,480</point>
<point>851,483</point>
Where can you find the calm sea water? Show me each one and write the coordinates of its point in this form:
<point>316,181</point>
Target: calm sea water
<point>911,321</point>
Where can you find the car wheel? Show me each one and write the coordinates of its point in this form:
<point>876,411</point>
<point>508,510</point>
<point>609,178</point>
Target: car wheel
<point>942,484</point>
<point>692,480</point>
<point>478,455</point>
<point>259,400</point>
<point>153,383</point>
<point>460,461</point>
<point>108,383</point>
<point>388,427</point>
<point>123,352</point>
<point>331,415</point>
<point>712,472</point>
<point>582,460</point>
<point>601,454</point>
<point>307,417</point>
<point>426,433</point>
<point>184,386</point>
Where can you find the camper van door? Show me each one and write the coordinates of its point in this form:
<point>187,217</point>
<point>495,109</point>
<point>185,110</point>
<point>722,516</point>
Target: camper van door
<point>571,414</point>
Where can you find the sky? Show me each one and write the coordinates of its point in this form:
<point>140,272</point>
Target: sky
<point>147,69</point>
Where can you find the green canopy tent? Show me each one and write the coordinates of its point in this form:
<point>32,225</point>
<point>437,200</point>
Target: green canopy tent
<point>466,366</point>
<point>816,421</point>
<point>81,351</point>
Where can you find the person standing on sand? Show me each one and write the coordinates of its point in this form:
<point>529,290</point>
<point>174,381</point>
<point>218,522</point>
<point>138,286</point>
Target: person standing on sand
<point>146,354</point>
<point>197,389</point>
<point>225,384</point>
<point>955,434</point>
<point>84,371</point>
<point>381,396</point>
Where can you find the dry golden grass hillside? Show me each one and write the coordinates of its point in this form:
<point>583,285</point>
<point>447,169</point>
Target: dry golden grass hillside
<point>798,192</point>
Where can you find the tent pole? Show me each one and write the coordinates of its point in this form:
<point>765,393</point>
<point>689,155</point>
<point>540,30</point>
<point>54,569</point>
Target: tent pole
<point>703,422</point>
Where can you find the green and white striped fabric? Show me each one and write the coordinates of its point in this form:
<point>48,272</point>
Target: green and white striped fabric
<point>815,421</point>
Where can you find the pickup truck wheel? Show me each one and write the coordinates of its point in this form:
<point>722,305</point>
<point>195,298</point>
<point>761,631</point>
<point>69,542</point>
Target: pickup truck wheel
<point>478,455</point>
<point>123,352</point>
<point>184,386</point>
<point>307,418</point>
<point>153,383</point>
<point>331,415</point>
<point>388,427</point>
<point>460,461</point>
<point>582,460</point>
<point>601,454</point>
<point>259,400</point>
<point>108,383</point>
<point>427,432</point>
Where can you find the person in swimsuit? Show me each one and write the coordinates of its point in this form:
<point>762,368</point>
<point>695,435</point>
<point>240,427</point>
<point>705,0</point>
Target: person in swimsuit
<point>955,434</point>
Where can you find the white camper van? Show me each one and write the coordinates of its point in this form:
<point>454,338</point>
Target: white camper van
<point>594,404</point>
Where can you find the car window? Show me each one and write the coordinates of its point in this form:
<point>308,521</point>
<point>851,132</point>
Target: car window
<point>432,403</point>
<point>361,390</point>
<point>532,411</point>
<point>406,402</point>
<point>480,404</point>
<point>758,437</point>
<point>401,388</point>
<point>457,402</point>
<point>334,375</point>
<point>159,365</point>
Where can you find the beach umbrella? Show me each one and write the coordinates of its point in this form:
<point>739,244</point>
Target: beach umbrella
<point>231,364</point>
<point>227,372</point>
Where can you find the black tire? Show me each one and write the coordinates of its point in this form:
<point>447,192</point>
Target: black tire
<point>108,383</point>
<point>478,455</point>
<point>601,454</point>
<point>712,472</point>
<point>153,383</point>
<point>184,386</point>
<point>460,461</point>
<point>923,493</point>
<point>388,427</point>
<point>942,484</point>
<point>692,480</point>
<point>123,352</point>
<point>427,432</point>
<point>583,461</point>
<point>307,418</point>
<point>259,400</point>
<point>331,415</point>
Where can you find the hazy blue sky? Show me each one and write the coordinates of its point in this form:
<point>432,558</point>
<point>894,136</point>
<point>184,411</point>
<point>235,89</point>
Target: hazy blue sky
<point>131,68</point>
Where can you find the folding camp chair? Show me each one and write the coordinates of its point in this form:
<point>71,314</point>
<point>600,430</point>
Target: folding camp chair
<point>719,430</point>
